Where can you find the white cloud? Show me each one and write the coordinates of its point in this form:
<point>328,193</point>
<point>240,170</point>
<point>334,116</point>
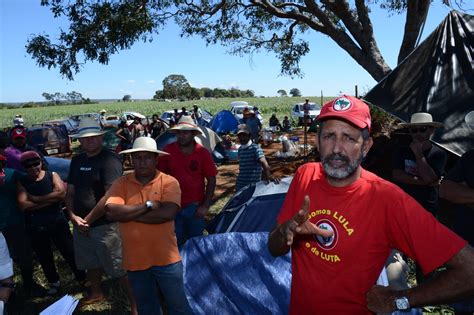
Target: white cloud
<point>151,82</point>
<point>131,81</point>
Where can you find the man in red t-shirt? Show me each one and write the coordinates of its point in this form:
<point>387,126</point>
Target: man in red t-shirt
<point>192,165</point>
<point>341,222</point>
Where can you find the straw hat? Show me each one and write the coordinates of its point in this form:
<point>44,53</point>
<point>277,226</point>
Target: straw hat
<point>88,127</point>
<point>422,119</point>
<point>103,111</point>
<point>469,119</point>
<point>185,123</point>
<point>144,144</point>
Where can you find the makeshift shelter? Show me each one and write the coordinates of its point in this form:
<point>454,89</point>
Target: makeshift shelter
<point>254,208</point>
<point>224,122</point>
<point>437,77</point>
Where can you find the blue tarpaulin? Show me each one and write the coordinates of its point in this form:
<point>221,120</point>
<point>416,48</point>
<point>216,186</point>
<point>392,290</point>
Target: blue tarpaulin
<point>234,273</point>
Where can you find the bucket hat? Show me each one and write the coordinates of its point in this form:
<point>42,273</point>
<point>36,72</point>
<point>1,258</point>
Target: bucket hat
<point>144,144</point>
<point>88,127</point>
<point>185,123</point>
<point>422,119</point>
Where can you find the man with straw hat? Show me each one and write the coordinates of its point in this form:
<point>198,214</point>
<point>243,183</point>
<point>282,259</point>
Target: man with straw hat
<point>458,187</point>
<point>417,168</point>
<point>97,243</point>
<point>145,204</point>
<point>192,165</point>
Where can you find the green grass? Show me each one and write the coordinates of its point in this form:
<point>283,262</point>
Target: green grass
<point>37,115</point>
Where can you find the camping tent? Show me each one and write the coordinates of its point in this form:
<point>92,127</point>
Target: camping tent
<point>224,122</point>
<point>254,208</point>
<point>208,139</point>
<point>437,77</point>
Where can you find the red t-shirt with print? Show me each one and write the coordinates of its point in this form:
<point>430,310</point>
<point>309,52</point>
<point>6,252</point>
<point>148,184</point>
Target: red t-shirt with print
<point>189,169</point>
<point>368,218</point>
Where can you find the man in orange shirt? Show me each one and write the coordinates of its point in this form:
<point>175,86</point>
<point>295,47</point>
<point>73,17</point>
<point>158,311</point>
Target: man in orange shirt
<point>145,204</point>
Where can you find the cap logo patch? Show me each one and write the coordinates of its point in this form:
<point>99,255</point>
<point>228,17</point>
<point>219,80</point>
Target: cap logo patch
<point>342,104</point>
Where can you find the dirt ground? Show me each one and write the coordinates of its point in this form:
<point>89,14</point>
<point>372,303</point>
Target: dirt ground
<point>227,172</point>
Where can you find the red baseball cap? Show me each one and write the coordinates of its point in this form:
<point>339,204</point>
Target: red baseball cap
<point>29,155</point>
<point>18,132</point>
<point>347,108</point>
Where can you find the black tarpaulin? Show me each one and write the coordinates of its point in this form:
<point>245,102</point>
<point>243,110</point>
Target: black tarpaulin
<point>438,78</point>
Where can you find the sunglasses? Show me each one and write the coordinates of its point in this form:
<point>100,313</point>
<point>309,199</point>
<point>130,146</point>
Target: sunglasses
<point>419,130</point>
<point>30,165</point>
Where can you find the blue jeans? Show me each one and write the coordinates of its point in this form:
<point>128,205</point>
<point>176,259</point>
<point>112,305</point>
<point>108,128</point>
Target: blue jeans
<point>169,280</point>
<point>187,225</point>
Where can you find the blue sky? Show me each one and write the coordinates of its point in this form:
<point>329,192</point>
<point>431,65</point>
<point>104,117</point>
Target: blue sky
<point>140,70</point>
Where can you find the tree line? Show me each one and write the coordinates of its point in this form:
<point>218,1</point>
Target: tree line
<point>177,87</point>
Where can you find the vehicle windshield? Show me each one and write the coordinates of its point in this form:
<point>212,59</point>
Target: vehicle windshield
<point>311,107</point>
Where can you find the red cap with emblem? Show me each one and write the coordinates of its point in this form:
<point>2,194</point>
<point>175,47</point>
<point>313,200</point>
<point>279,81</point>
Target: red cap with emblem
<point>347,108</point>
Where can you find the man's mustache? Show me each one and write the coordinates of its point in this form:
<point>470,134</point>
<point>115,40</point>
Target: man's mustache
<point>336,157</point>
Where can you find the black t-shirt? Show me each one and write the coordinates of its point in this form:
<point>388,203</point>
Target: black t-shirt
<point>405,160</point>
<point>44,216</point>
<point>90,176</point>
<point>464,172</point>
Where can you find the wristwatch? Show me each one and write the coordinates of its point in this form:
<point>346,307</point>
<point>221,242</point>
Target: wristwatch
<point>149,205</point>
<point>402,304</point>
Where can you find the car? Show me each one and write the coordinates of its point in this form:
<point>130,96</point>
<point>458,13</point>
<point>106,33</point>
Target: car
<point>130,117</point>
<point>70,124</point>
<point>297,112</point>
<point>49,139</point>
<point>237,108</point>
<point>95,116</point>
<point>166,115</point>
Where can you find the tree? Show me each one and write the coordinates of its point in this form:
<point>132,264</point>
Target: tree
<point>176,86</point>
<point>282,93</point>
<point>100,29</point>
<point>295,92</point>
<point>74,97</point>
<point>127,98</point>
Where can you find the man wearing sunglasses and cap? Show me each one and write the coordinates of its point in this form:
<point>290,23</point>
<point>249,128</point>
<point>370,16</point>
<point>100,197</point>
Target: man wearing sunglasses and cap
<point>145,204</point>
<point>341,222</point>
<point>417,168</point>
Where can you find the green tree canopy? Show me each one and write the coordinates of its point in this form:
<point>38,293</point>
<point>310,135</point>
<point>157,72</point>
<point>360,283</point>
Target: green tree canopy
<point>175,86</point>
<point>99,29</point>
<point>295,92</point>
<point>282,92</point>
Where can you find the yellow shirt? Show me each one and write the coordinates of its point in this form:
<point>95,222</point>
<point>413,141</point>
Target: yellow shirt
<point>145,245</point>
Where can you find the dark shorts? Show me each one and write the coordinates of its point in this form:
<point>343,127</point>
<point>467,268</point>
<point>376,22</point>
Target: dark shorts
<point>101,248</point>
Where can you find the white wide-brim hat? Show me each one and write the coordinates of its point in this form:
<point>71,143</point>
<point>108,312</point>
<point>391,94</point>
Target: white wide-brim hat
<point>469,119</point>
<point>185,123</point>
<point>88,127</point>
<point>422,119</point>
<point>144,144</point>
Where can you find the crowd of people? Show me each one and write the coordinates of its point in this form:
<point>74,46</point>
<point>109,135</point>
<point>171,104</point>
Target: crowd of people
<point>340,221</point>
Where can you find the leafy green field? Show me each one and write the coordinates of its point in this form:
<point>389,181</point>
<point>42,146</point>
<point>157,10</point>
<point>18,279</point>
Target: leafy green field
<point>36,115</point>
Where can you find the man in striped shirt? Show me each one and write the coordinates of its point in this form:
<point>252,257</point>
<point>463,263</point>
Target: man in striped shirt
<point>251,161</point>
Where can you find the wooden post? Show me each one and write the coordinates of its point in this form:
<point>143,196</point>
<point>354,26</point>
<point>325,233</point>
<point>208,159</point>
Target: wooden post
<point>356,91</point>
<point>321,98</point>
